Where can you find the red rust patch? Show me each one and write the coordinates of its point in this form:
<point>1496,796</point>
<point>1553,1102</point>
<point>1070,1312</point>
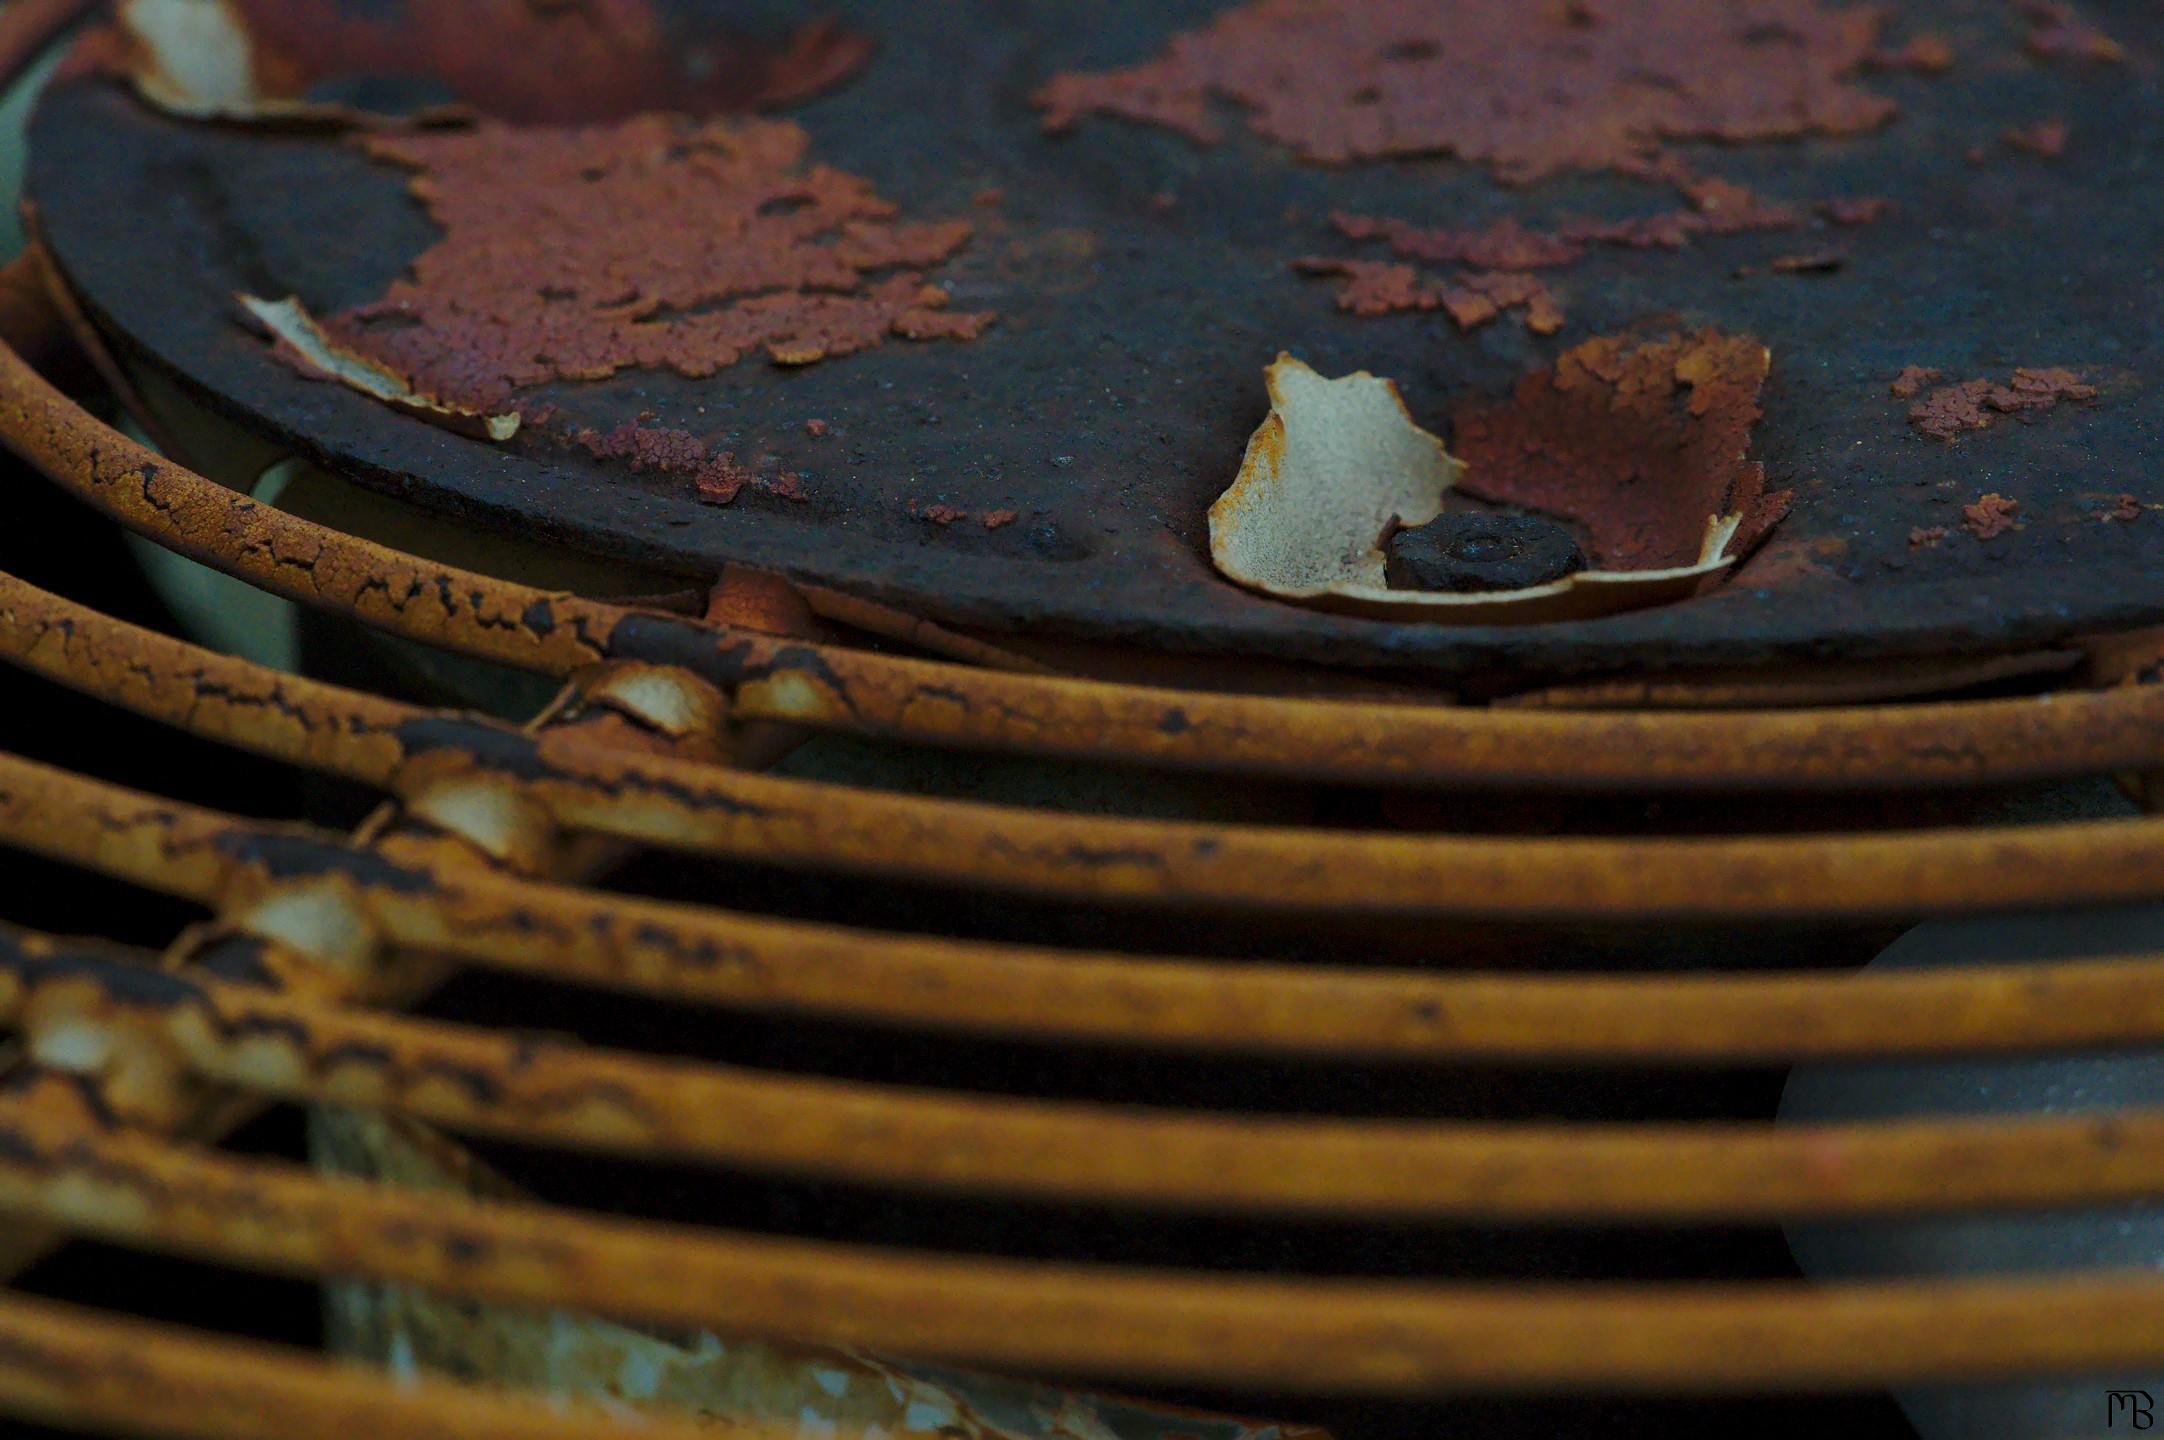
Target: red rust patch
<point>1926,537</point>
<point>1912,379</point>
<point>1979,404</point>
<point>994,519</point>
<point>717,477</point>
<point>1502,251</point>
<point>1990,517</point>
<point>2056,33</point>
<point>1636,442</point>
<point>1526,89</point>
<point>2124,509</point>
<point>571,254</point>
<point>1471,299</point>
<point>2044,138</point>
<point>658,243</point>
<point>1504,245</point>
<point>942,514</point>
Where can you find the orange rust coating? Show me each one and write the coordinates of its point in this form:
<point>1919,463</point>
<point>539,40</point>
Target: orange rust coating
<point>1952,744</point>
<point>618,704</point>
<point>299,560</point>
<point>543,1090</point>
<point>763,963</point>
<point>325,728</point>
<point>700,807</point>
<point>704,809</point>
<point>84,1368</point>
<point>1261,868</point>
<point>1298,1334</point>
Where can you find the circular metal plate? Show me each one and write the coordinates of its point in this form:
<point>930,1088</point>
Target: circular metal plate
<point>1141,283</point>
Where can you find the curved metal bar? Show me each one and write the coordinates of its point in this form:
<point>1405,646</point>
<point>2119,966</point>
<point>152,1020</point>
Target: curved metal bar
<point>1273,1333</point>
<point>1962,744</point>
<point>546,1090</point>
<point>686,805</point>
<point>758,962</point>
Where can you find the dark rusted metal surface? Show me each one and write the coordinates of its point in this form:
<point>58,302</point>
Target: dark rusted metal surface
<point>848,689</point>
<point>1143,281</point>
<point>480,860</point>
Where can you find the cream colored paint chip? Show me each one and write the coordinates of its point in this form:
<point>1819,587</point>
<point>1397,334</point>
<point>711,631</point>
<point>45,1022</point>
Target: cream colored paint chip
<point>1335,463</point>
<point>290,323</point>
<point>196,56</point>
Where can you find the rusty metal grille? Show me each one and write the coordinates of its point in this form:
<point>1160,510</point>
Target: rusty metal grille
<point>128,1067</point>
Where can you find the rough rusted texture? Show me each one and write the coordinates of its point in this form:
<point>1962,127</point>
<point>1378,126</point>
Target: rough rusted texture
<point>1952,410</point>
<point>1527,92</point>
<point>2056,32</point>
<point>718,477</point>
<point>1911,381</point>
<point>1086,261</point>
<point>739,959</point>
<point>568,255</point>
<point>1502,249</point>
<point>1991,516</point>
<point>545,1090</point>
<point>1926,537</point>
<point>889,697</point>
<point>1717,208</point>
<point>756,1382</point>
<point>1638,442</point>
<point>1301,1334</point>
<point>1397,1338</point>
<point>1471,299</point>
<point>1259,869</point>
<point>2124,508</point>
<point>529,61</point>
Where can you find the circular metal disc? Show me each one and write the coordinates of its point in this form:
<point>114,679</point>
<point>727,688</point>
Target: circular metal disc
<point>1143,281</point>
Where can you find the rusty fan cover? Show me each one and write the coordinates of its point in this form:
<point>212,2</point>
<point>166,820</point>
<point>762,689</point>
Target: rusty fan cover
<point>1338,1065</point>
<point>1072,239</point>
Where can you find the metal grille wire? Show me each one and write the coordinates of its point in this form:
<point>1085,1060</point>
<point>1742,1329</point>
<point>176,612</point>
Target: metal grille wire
<point>133,1064</point>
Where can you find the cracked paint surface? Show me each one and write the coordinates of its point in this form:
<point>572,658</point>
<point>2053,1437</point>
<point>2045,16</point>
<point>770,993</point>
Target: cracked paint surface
<point>1527,91</point>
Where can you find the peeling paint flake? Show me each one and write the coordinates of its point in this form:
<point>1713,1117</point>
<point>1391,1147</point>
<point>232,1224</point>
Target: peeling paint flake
<point>1638,442</point>
<point>303,344</point>
<point>1640,446</point>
